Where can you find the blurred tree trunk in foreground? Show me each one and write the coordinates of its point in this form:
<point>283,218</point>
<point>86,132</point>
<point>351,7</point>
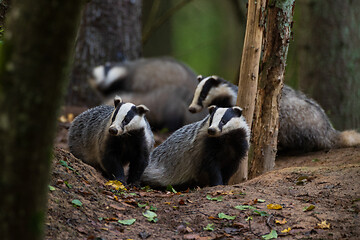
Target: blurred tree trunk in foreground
<point>33,62</point>
<point>110,31</point>
<point>4,6</point>
<point>329,56</point>
<point>266,117</point>
<point>249,69</point>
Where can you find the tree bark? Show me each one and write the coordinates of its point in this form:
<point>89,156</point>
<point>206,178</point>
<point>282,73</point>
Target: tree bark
<point>328,38</point>
<point>4,6</point>
<point>266,117</point>
<point>110,31</point>
<point>249,69</point>
<point>33,61</point>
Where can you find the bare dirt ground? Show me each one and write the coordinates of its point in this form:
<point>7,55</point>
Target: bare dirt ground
<point>327,184</point>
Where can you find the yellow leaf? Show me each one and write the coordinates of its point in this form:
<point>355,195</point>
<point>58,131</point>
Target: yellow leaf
<point>323,225</point>
<point>274,206</point>
<point>62,119</point>
<point>167,203</point>
<point>281,221</point>
<point>116,184</point>
<point>286,230</point>
<point>70,117</point>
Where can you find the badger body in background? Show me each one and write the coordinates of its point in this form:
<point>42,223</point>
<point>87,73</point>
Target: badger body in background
<point>165,85</point>
<point>109,138</point>
<point>207,152</point>
<point>303,124</point>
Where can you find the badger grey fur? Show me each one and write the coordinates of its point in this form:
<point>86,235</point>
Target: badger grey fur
<point>207,152</point>
<point>303,124</point>
<point>164,84</point>
<point>109,138</point>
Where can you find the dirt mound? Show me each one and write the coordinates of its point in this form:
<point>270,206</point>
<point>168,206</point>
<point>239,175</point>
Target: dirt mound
<point>81,206</point>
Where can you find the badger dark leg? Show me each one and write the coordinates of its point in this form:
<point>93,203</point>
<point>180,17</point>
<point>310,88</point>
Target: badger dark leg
<point>113,167</point>
<point>215,176</point>
<point>136,168</point>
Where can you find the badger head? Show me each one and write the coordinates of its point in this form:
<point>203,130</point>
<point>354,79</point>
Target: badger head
<point>224,120</point>
<point>127,117</point>
<point>212,91</point>
<point>108,77</point>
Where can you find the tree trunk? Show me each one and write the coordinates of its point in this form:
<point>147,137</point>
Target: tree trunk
<point>110,31</point>
<point>34,58</point>
<point>266,117</point>
<point>249,69</point>
<point>329,56</point>
<point>4,6</point>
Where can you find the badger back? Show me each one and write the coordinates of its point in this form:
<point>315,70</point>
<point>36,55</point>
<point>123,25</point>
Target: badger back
<point>213,90</point>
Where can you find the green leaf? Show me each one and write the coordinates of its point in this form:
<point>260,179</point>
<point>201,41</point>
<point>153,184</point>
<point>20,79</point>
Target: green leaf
<point>68,184</point>
<point>65,164</point>
<point>153,208</point>
<point>309,208</point>
<point>77,202</point>
<point>100,218</point>
<point>142,205</point>
<point>315,160</point>
<point>209,227</point>
<point>224,216</point>
<point>261,213</point>
<point>272,235</point>
<point>219,198</point>
<point>51,188</point>
<point>151,216</point>
<point>127,221</point>
<point>249,218</point>
<point>260,200</point>
<point>244,207</point>
<point>170,189</point>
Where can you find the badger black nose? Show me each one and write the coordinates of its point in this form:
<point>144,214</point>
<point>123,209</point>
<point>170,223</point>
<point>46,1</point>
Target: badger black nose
<point>192,110</point>
<point>113,131</point>
<point>211,131</point>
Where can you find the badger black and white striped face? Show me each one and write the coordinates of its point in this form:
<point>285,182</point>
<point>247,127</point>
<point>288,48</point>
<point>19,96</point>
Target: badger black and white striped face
<point>104,76</point>
<point>224,120</point>
<point>127,117</point>
<point>212,91</point>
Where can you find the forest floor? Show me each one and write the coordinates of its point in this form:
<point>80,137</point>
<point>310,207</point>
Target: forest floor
<point>318,193</point>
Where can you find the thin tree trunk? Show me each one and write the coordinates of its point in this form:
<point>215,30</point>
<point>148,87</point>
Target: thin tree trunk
<point>4,7</point>
<point>266,117</point>
<point>329,55</point>
<point>34,58</point>
<point>110,31</point>
<point>249,69</point>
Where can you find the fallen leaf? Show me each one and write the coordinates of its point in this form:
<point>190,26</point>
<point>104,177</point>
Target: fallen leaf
<point>261,213</point>
<point>51,188</point>
<point>251,202</point>
<point>127,221</point>
<point>281,221</point>
<point>116,184</point>
<point>224,216</point>
<point>286,230</point>
<point>274,206</point>
<point>117,207</point>
<point>308,208</point>
<point>272,235</point>
<point>182,202</point>
<point>168,203</point>
<point>244,207</point>
<point>209,227</point>
<point>323,225</point>
<point>219,198</point>
<point>261,200</point>
<point>170,189</point>
<point>150,215</point>
<point>76,202</point>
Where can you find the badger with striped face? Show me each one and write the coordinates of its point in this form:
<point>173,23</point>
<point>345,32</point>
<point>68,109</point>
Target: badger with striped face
<point>303,124</point>
<point>207,152</point>
<point>213,90</point>
<point>109,138</point>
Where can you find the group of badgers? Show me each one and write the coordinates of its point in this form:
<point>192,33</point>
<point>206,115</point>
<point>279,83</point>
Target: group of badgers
<point>207,150</point>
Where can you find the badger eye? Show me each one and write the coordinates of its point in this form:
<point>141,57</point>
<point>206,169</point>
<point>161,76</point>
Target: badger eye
<point>126,120</point>
<point>222,122</point>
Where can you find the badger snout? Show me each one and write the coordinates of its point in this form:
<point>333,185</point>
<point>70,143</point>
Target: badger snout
<point>212,131</point>
<point>113,131</point>
<point>194,108</point>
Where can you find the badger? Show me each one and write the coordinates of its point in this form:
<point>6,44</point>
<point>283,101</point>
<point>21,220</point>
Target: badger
<point>108,138</point>
<point>207,152</point>
<point>303,124</point>
<point>164,84</point>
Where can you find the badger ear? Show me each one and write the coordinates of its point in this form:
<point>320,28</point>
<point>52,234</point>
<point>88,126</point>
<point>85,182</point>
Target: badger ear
<point>238,110</point>
<point>142,109</point>
<point>117,101</point>
<point>212,109</point>
<point>199,78</point>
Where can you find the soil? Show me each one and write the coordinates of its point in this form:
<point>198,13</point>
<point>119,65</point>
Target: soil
<point>326,183</point>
